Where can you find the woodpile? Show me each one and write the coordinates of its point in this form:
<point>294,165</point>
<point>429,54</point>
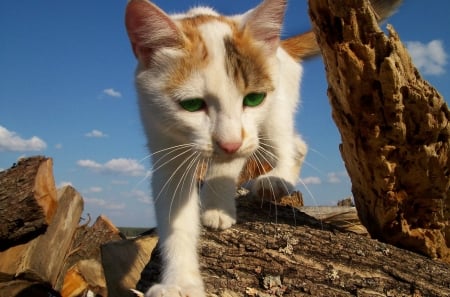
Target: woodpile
<point>274,250</point>
<point>44,249</point>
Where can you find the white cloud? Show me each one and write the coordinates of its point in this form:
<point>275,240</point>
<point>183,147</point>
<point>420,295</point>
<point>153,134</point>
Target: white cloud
<point>89,164</point>
<point>10,141</point>
<point>430,58</point>
<point>337,177</point>
<point>96,134</point>
<point>58,146</point>
<point>64,183</point>
<point>141,196</point>
<point>311,180</point>
<point>112,93</point>
<point>95,190</point>
<point>105,204</point>
<point>129,167</point>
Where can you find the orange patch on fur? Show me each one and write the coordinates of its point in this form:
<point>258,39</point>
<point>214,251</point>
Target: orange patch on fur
<point>195,53</point>
<point>245,60</point>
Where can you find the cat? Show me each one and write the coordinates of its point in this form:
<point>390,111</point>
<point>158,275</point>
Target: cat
<point>214,91</point>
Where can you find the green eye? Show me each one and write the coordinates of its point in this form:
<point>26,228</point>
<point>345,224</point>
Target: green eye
<point>193,105</point>
<point>254,99</point>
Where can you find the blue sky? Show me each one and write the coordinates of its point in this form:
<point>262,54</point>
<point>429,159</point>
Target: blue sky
<point>66,91</point>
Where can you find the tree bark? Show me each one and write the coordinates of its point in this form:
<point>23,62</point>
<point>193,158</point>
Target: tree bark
<point>279,251</point>
<point>27,200</point>
<point>394,128</point>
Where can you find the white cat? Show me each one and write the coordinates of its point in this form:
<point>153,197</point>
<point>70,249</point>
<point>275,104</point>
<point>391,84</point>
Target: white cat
<point>214,91</point>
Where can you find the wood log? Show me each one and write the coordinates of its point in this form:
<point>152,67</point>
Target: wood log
<point>279,251</point>
<point>394,127</point>
<point>86,244</point>
<point>42,258</point>
<point>83,278</point>
<point>123,262</point>
<point>27,200</point>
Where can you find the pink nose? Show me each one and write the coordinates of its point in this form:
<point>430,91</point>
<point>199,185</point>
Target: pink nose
<point>229,147</point>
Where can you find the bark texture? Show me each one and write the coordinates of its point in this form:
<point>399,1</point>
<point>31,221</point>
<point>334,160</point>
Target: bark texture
<point>27,200</point>
<point>279,251</point>
<point>394,128</point>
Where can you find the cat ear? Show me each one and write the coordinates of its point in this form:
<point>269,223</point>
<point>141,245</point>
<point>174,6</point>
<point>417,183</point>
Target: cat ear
<point>301,47</point>
<point>264,23</point>
<point>150,29</point>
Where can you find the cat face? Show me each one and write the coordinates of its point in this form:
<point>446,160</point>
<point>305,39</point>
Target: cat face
<point>205,79</point>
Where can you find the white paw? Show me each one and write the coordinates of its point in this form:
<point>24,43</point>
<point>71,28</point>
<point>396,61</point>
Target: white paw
<point>269,187</point>
<point>175,291</point>
<point>218,219</point>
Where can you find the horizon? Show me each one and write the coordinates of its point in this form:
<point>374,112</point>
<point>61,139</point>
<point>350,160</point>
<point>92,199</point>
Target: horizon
<point>66,92</point>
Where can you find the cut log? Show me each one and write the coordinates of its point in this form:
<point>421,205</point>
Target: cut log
<point>123,262</point>
<point>86,244</point>
<point>27,200</point>
<point>394,127</point>
<point>85,277</point>
<point>300,256</point>
<point>42,258</point>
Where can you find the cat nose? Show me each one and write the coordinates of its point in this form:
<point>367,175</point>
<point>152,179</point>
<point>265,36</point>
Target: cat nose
<point>229,147</point>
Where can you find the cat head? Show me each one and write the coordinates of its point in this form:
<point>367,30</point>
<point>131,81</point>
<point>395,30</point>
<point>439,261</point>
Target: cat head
<point>204,78</point>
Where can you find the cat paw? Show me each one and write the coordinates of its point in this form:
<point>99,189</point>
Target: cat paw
<point>270,188</point>
<point>175,291</point>
<point>217,219</point>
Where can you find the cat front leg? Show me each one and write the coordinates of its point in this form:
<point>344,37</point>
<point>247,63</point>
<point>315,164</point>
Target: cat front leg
<point>219,192</point>
<point>286,153</point>
<point>177,211</point>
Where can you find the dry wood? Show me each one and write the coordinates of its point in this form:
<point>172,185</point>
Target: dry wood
<point>86,276</point>
<point>279,251</point>
<point>42,258</point>
<point>27,200</point>
<point>123,262</point>
<point>394,127</point>
<point>86,244</point>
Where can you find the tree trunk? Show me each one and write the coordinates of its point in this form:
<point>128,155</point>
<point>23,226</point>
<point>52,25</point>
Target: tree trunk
<point>394,127</point>
<point>27,200</point>
<point>279,251</point>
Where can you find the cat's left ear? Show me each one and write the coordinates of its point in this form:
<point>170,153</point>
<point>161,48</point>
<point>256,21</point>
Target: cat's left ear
<point>264,23</point>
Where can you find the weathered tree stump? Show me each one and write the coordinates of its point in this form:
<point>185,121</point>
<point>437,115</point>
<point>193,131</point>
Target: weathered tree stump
<point>27,200</point>
<point>394,127</point>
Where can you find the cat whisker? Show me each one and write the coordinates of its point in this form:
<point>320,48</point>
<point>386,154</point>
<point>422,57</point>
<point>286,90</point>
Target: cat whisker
<point>174,173</point>
<point>170,160</point>
<point>264,152</point>
<point>194,157</point>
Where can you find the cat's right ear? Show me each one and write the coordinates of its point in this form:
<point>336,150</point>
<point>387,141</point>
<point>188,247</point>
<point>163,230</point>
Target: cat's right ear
<point>149,29</point>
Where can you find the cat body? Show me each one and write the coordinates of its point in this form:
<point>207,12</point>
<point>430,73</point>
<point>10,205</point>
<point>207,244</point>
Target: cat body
<point>214,92</point>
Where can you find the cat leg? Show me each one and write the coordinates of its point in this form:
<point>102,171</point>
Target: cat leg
<point>177,211</point>
<point>286,153</point>
<point>219,192</point>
